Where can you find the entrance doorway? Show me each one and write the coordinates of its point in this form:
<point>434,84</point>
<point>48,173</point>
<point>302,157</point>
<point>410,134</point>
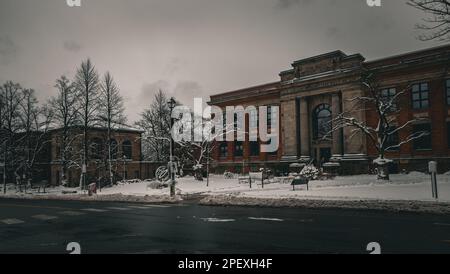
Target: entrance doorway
<point>322,155</point>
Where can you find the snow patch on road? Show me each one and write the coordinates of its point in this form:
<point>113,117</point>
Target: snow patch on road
<point>266,219</point>
<point>217,220</point>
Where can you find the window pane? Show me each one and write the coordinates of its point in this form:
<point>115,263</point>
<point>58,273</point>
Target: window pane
<point>448,92</point>
<point>416,105</point>
<point>423,142</point>
<point>424,86</point>
<point>416,96</point>
<point>415,88</point>
<point>448,134</point>
<point>239,149</point>
<point>254,149</point>
<point>425,104</point>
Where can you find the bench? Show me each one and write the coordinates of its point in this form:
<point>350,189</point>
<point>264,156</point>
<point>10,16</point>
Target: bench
<point>252,177</point>
<point>300,181</point>
<point>286,180</point>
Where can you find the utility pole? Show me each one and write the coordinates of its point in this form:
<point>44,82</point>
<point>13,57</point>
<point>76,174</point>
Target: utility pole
<point>172,104</point>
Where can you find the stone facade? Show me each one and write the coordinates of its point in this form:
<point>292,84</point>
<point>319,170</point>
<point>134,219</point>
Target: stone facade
<point>323,86</point>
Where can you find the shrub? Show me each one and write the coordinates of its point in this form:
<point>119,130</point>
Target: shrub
<point>310,172</point>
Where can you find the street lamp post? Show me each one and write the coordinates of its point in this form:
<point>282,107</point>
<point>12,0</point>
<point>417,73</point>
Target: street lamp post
<point>4,166</point>
<point>172,104</point>
<point>124,167</point>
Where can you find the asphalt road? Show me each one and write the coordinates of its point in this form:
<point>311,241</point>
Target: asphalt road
<point>48,226</point>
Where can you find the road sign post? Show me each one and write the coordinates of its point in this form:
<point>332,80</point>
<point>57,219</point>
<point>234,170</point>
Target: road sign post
<point>432,168</point>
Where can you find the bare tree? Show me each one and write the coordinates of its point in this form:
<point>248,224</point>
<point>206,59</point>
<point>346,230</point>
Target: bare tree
<point>11,99</point>
<point>155,121</point>
<point>65,106</point>
<point>111,115</point>
<point>385,109</point>
<point>437,25</point>
<point>87,85</point>
<point>34,121</point>
<point>204,135</point>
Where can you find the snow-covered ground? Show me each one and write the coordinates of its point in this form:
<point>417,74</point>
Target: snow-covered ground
<point>414,186</point>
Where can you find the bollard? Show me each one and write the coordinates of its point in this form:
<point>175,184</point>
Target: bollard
<point>432,168</point>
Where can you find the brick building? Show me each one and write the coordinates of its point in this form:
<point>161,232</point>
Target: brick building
<point>126,154</point>
<point>315,89</point>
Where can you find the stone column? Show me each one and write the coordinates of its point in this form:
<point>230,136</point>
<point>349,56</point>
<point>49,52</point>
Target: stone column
<point>305,142</point>
<point>289,133</point>
<point>336,109</point>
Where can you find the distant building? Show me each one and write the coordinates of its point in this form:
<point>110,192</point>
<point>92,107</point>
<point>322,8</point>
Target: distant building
<point>127,161</point>
<point>317,88</point>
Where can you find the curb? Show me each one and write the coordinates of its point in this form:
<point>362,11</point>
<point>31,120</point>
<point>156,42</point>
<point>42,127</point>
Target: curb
<point>395,206</point>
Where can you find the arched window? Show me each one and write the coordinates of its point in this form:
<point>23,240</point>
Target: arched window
<point>96,148</point>
<point>322,121</point>
<point>114,148</point>
<point>127,149</point>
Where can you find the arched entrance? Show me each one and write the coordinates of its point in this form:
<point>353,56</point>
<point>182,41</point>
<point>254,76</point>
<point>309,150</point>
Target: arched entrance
<point>322,138</point>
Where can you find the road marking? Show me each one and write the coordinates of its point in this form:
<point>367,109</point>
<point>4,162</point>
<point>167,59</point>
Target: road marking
<point>44,217</point>
<point>217,220</point>
<point>12,221</point>
<point>441,224</point>
<point>159,206</point>
<point>72,213</point>
<point>266,219</point>
<point>118,208</point>
<point>138,207</point>
<point>95,210</point>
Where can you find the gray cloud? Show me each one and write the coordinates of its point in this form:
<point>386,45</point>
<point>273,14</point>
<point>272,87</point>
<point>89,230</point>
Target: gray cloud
<point>148,91</point>
<point>8,50</point>
<point>72,46</point>
<point>183,91</point>
<point>191,47</point>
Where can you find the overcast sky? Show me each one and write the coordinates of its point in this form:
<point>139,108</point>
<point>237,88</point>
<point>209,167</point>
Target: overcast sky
<point>190,47</point>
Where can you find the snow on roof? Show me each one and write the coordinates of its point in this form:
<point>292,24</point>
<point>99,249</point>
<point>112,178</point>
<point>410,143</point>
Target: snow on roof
<point>101,126</point>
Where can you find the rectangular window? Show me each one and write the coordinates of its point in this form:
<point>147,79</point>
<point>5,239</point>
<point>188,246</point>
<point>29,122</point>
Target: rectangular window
<point>392,140</point>
<point>448,91</point>
<point>224,150</point>
<point>448,134</point>
<point>387,96</point>
<point>253,119</point>
<point>420,96</point>
<point>424,142</point>
<point>254,148</point>
<point>224,120</point>
<point>239,149</point>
